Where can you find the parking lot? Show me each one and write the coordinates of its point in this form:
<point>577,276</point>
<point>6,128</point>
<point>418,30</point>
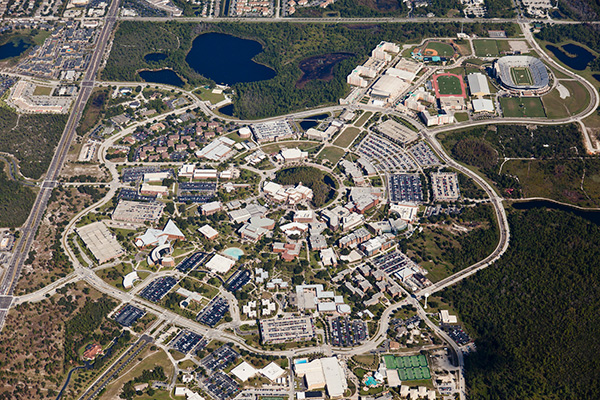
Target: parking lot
<point>192,261</point>
<point>200,198</point>
<point>158,288</point>
<point>213,312</point>
<point>128,315</point>
<point>424,155</point>
<point>133,195</point>
<point>457,334</point>
<point>197,186</point>
<point>238,280</point>
<point>405,188</point>
<point>392,262</point>
<point>219,359</point>
<point>185,341</point>
<point>221,386</point>
<point>135,174</point>
<point>385,155</point>
<point>347,333</point>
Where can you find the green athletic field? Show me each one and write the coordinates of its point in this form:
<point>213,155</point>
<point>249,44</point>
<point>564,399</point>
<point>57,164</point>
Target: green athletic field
<point>409,368</point>
<point>519,107</point>
<point>442,49</point>
<point>449,84</point>
<point>486,48</point>
<point>521,76</point>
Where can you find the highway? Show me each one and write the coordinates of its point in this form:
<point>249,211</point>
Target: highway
<point>29,229</point>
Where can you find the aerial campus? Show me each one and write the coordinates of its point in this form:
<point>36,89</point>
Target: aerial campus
<point>290,199</point>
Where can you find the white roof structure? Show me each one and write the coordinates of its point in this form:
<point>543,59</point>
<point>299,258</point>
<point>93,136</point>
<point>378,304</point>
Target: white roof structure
<point>244,371</point>
<point>220,264</point>
<point>208,231</point>
<point>217,150</point>
<point>293,154</point>
<point>483,105</point>
<point>446,318</point>
<point>478,84</point>
<point>407,76</point>
<point>272,371</point>
<point>389,86</point>
<point>324,372</point>
<point>129,279</point>
<point>101,241</point>
<point>393,378</point>
<point>153,237</point>
<point>172,230</point>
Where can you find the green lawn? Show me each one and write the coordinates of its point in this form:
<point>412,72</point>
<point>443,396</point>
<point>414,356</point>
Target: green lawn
<point>449,84</point>
<point>333,154</point>
<point>292,144</point>
<point>461,116</point>
<point>521,76</point>
<point>346,138</point>
<point>486,48</point>
<point>517,107</point>
<point>363,118</point>
<point>208,95</point>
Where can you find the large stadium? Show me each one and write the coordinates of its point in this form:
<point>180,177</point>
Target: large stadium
<point>523,74</point>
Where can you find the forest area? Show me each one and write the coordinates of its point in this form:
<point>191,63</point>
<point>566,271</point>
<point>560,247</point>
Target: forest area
<point>16,200</point>
<point>534,313</point>
<point>322,185</point>
<point>284,47</point>
<point>31,138</point>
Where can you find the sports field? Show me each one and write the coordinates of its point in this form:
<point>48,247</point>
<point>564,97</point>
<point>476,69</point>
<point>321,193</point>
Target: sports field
<point>438,49</point>
<point>409,368</point>
<point>521,76</point>
<point>449,85</point>
<point>519,107</point>
<point>486,48</point>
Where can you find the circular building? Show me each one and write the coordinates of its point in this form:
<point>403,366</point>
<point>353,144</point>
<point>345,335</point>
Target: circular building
<point>524,75</point>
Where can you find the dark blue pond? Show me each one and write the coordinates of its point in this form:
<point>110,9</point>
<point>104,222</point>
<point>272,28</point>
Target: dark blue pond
<point>164,76</point>
<point>572,56</point>
<point>155,57</point>
<point>590,215</point>
<point>312,121</point>
<point>227,59</point>
<point>596,77</point>
<point>14,48</point>
<point>227,110</point>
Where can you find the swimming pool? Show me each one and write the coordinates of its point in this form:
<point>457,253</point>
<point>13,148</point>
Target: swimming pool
<point>234,252</point>
<point>371,381</point>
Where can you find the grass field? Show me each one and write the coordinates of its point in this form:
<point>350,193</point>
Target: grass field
<point>486,48</point>
<point>363,118</point>
<point>517,107</point>
<point>439,49</point>
<point>333,154</point>
<point>208,95</point>
<point>347,137</point>
<point>449,84</point>
<point>42,91</point>
<point>276,147</point>
<point>521,76</point>
<point>573,104</point>
<point>461,116</point>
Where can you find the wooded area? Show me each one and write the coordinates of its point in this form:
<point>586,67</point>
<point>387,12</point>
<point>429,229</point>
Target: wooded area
<point>16,200</point>
<point>535,312</point>
<point>322,185</point>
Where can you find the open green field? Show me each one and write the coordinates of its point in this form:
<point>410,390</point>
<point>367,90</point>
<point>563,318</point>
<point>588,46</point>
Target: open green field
<point>207,95</point>
<point>486,48</point>
<point>461,116</point>
<point>363,119</point>
<point>439,49</point>
<point>276,147</point>
<point>346,138</point>
<point>521,76</point>
<point>449,84</point>
<point>333,154</point>
<point>42,91</point>
<point>575,103</point>
<point>520,107</point>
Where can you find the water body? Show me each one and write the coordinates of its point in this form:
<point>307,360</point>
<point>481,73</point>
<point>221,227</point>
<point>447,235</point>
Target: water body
<point>14,48</point>
<point>164,76</point>
<point>227,59</point>
<point>573,56</point>
<point>227,110</point>
<point>596,77</point>
<point>590,215</point>
<point>155,57</point>
<point>312,121</point>
<point>234,252</point>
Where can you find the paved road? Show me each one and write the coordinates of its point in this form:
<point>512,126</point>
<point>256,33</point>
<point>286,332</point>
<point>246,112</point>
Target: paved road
<point>28,232</point>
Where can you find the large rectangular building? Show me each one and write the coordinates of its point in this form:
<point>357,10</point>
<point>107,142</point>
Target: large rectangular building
<point>272,131</point>
<point>100,241</point>
<point>289,329</point>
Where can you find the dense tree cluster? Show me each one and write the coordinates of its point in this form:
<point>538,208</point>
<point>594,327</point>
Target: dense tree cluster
<point>535,312</point>
<point>15,200</point>
<point>587,34</point>
<point>322,185</point>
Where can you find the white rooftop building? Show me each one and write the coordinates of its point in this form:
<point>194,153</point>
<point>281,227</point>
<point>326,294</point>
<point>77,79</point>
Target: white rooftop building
<point>478,84</point>
<point>325,372</point>
<point>220,264</point>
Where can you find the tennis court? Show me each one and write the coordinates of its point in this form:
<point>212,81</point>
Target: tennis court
<point>409,368</point>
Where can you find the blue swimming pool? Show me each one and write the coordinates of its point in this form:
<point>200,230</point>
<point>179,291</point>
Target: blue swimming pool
<point>371,381</point>
<point>234,252</point>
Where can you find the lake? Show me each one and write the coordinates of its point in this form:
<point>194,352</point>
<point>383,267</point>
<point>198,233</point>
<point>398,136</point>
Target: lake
<point>227,59</point>
<point>590,215</point>
<point>312,121</point>
<point>164,76</point>
<point>14,48</point>
<point>155,57</point>
<point>573,56</point>
<point>227,110</point>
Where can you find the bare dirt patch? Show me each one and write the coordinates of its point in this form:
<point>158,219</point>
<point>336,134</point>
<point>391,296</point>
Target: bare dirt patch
<point>319,67</point>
